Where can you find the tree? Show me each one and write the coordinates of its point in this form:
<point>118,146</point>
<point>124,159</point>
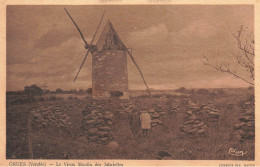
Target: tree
<point>81,91</point>
<point>202,91</point>
<point>244,58</point>
<point>33,90</point>
<point>59,90</point>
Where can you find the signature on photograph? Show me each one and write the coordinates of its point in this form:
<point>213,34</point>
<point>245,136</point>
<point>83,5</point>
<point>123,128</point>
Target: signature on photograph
<point>236,152</point>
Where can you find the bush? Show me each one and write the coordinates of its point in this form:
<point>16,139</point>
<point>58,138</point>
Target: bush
<point>70,97</point>
<point>202,91</point>
<point>59,90</point>
<point>181,90</point>
<point>89,90</point>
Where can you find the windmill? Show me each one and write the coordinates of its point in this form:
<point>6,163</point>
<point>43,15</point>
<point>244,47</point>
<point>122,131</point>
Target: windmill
<point>109,62</point>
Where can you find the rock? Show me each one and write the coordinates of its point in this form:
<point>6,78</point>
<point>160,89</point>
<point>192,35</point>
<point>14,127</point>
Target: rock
<point>194,108</point>
<point>230,105</point>
<point>109,122</point>
<point>108,116</point>
<point>189,112</point>
<point>188,122</point>
<point>151,111</point>
<point>201,131</point>
<point>104,128</point>
<point>102,133</point>
<point>250,124</point>
<point>88,122</point>
<point>155,116</point>
<point>155,121</point>
<point>113,145</point>
<point>246,118</point>
<point>104,139</point>
<point>85,112</point>
<point>193,130</point>
<point>198,125</point>
<point>154,124</point>
<point>192,117</point>
<point>249,112</point>
<point>163,154</point>
<point>239,125</point>
<point>162,113</point>
<point>93,138</point>
<point>92,131</point>
<point>100,115</point>
<point>185,127</point>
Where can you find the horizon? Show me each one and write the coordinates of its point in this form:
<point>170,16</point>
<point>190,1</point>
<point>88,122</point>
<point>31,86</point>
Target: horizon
<point>188,88</point>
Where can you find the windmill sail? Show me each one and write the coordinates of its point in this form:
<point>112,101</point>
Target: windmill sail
<point>80,33</point>
<point>89,48</point>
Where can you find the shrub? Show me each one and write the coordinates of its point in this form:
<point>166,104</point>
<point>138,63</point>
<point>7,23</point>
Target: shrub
<point>59,90</point>
<point>89,90</point>
<point>181,90</point>
<point>202,91</point>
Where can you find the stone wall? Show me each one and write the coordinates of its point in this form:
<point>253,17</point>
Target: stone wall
<point>109,73</point>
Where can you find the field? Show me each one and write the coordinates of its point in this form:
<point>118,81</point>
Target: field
<point>62,135</point>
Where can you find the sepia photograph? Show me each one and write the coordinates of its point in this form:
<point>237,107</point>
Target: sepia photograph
<point>130,82</point>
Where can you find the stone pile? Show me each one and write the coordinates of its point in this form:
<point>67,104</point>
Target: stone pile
<point>193,107</point>
<point>230,105</point>
<point>245,129</point>
<point>89,107</point>
<point>96,126</point>
<point>52,115</point>
<point>248,105</point>
<point>192,125</point>
<point>211,112</point>
<point>173,108</point>
<point>130,108</point>
<point>155,118</point>
<point>159,109</point>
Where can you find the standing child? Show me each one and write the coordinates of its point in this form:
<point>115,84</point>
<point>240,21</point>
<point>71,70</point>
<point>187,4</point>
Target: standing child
<point>134,122</point>
<point>145,119</point>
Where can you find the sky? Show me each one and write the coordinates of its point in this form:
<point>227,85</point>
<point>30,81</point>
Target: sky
<point>168,43</point>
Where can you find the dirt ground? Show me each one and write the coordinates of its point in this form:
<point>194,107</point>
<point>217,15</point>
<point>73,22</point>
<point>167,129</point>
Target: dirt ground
<point>52,142</point>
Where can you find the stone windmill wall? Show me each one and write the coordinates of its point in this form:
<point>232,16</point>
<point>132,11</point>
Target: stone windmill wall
<point>109,65</point>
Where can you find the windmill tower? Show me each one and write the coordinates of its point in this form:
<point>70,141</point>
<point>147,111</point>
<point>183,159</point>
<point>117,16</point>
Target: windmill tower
<point>109,62</point>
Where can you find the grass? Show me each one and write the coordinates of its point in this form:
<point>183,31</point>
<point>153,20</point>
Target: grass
<point>50,143</point>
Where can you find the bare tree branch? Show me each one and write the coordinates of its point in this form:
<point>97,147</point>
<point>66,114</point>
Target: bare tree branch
<point>244,58</point>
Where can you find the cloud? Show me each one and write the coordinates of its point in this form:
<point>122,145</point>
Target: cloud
<point>149,37</point>
<point>197,29</point>
<point>52,38</point>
